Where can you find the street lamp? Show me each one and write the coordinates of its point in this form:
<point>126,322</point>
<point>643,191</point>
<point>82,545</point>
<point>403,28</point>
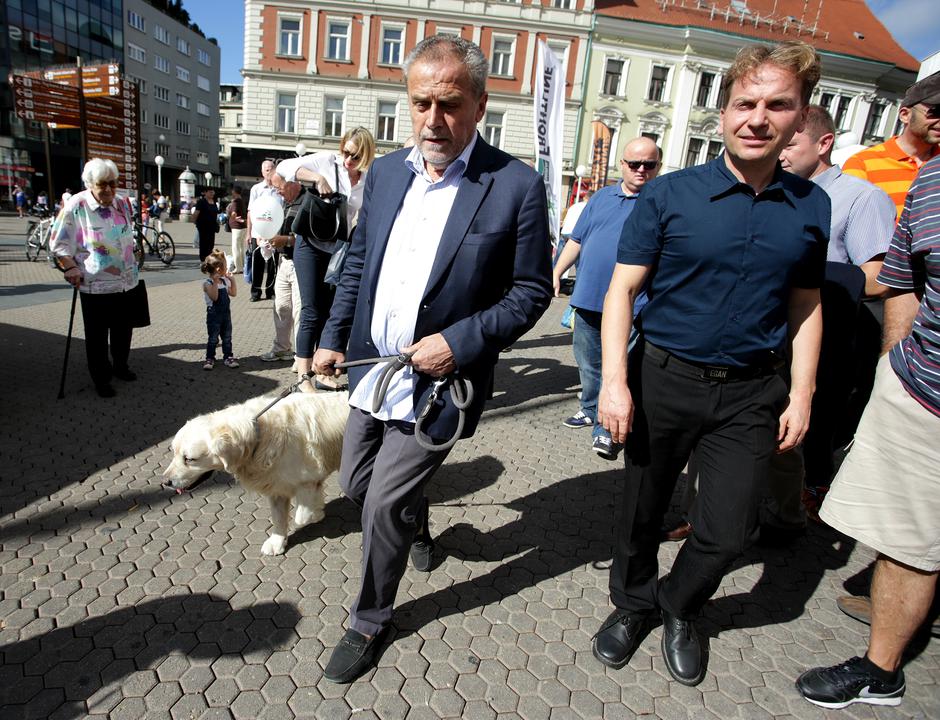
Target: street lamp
<point>158,161</point>
<point>208,176</point>
<point>300,148</point>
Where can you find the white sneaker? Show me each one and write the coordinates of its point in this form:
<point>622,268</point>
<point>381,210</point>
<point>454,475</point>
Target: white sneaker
<point>274,356</point>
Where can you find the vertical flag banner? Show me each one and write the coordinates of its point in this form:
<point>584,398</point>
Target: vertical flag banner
<point>600,154</point>
<point>549,128</point>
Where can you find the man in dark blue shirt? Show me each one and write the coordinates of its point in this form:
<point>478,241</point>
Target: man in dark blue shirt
<point>739,251</point>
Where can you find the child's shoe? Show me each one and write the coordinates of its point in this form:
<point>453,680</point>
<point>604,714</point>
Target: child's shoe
<point>230,362</point>
<point>210,363</point>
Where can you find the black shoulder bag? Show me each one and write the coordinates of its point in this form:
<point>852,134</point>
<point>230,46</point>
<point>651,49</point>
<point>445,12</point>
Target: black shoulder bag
<point>322,217</point>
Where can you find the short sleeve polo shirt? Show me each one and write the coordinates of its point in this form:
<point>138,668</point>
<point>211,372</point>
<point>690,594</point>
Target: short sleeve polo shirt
<point>598,233</point>
<point>724,260</point>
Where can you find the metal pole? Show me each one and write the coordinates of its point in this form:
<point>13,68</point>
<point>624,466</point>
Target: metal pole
<point>45,136</point>
<point>81,110</point>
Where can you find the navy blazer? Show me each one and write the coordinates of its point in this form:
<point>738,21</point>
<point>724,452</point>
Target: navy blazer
<point>489,284</point>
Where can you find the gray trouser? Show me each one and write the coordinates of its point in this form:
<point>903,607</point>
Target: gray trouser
<point>383,471</point>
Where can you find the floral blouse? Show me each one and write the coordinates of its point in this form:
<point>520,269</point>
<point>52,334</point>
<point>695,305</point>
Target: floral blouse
<point>101,241</point>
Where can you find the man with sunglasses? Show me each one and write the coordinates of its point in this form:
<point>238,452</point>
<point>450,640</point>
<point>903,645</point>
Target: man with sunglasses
<point>731,254</point>
<point>594,240</point>
<point>894,164</point>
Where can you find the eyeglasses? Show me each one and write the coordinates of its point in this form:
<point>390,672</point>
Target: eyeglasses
<point>645,164</point>
<point>106,183</point>
<point>930,111</point>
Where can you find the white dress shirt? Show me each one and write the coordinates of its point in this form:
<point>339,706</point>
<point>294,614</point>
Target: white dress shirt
<point>406,267</point>
<point>329,165</point>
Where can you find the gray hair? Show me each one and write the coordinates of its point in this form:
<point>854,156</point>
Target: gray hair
<point>439,47</point>
<point>97,170</point>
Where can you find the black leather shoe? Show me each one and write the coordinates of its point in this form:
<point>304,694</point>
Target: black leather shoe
<point>353,656</point>
<point>422,547</point>
<point>105,390</point>
<point>125,374</point>
<point>618,638</point>
<point>682,650</point>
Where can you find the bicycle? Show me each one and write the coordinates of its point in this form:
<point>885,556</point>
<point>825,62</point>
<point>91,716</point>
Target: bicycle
<point>161,247</point>
<point>37,238</point>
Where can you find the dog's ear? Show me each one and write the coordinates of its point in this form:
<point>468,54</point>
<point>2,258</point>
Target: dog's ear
<point>224,444</point>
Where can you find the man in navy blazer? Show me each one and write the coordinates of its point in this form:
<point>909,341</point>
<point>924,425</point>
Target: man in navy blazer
<point>450,263</point>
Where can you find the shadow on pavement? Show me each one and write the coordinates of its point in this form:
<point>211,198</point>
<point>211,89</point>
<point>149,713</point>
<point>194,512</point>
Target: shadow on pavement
<point>58,671</point>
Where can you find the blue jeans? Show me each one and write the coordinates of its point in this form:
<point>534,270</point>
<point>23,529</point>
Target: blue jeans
<point>587,353</point>
<point>219,323</point>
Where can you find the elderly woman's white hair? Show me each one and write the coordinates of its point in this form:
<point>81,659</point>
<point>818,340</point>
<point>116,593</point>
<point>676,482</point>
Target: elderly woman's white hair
<point>97,171</point>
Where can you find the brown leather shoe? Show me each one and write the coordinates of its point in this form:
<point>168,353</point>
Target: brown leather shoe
<point>679,533</point>
<point>858,607</point>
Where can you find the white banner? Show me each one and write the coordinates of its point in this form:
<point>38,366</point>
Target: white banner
<point>549,128</point>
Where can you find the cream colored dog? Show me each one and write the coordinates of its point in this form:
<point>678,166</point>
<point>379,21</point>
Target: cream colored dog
<point>287,453</point>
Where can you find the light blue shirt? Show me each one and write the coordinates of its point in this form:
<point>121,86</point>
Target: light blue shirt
<point>863,217</point>
<point>406,268</point>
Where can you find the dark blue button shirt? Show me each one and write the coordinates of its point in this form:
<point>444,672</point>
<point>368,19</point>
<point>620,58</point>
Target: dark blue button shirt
<point>724,260</point>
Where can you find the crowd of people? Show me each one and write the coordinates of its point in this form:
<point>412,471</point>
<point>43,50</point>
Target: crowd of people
<point>720,319</point>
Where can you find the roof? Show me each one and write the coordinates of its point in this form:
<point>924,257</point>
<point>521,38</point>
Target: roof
<point>847,27</point>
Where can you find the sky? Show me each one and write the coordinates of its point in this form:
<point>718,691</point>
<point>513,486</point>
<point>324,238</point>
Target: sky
<point>915,24</point>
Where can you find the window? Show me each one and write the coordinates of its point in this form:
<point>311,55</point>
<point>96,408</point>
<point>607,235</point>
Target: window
<point>286,112</point>
<point>449,31</point>
<point>203,133</point>
<point>652,136</point>
<point>221,119</point>
<point>289,35</point>
<point>221,148</point>
<point>182,74</point>
<point>388,112</point>
<point>333,117</point>
<point>202,157</point>
<point>203,83</point>
<point>161,149</point>
<point>141,84</point>
<point>182,45</point>
<point>842,112</point>
<point>161,64</point>
<point>705,83</point>
<point>714,150</point>
<point>392,39</point>
<point>657,88</point>
<point>493,128</point>
<point>161,93</point>
<point>182,101</point>
<point>161,121</point>
<point>874,121</point>
<point>136,21</point>
<point>202,109</point>
<point>204,58</point>
<point>161,34</point>
<point>143,143</point>
<point>182,127</point>
<point>825,99</point>
<point>613,72</point>
<point>722,95</point>
<point>502,56</point>
<point>238,120</point>
<point>182,156</point>
<point>692,154</point>
<point>135,52</point>
<point>561,4</point>
<point>143,116</point>
<point>337,42</point>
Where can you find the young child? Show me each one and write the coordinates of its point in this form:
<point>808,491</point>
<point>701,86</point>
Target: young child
<point>217,291</point>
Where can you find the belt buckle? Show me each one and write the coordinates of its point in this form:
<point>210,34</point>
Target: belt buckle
<point>715,372</point>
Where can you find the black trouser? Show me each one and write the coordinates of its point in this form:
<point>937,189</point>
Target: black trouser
<point>206,241</point>
<point>260,266</point>
<point>316,296</point>
<point>103,315</point>
<point>732,428</point>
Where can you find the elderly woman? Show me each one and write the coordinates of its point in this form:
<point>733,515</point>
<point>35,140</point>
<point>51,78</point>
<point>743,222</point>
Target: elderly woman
<point>311,256</point>
<point>93,241</point>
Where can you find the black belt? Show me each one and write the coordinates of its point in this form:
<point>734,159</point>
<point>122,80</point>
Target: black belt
<point>705,371</point>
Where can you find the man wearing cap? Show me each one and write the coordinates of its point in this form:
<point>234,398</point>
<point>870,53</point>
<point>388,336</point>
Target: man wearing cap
<point>893,164</point>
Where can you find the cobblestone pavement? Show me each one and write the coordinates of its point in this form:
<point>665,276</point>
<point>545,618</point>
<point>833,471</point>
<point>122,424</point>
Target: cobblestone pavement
<point>120,600</point>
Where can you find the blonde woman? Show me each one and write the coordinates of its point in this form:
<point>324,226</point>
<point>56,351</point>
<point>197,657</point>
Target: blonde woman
<point>311,256</point>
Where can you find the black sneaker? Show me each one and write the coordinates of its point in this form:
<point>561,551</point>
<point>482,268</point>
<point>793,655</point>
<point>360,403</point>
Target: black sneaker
<point>606,448</point>
<point>850,682</point>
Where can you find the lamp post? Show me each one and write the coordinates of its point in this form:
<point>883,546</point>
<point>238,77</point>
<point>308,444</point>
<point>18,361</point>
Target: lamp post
<point>300,148</point>
<point>208,176</point>
<point>158,161</point>
<point>580,172</point>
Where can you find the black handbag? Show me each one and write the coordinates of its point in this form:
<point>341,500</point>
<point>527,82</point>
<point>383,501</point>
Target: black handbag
<point>137,306</point>
<point>322,217</point>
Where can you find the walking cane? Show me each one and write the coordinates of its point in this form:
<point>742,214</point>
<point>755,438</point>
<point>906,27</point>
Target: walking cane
<point>68,342</point>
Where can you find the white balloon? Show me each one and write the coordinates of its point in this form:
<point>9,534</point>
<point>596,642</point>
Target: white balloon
<point>267,216</point>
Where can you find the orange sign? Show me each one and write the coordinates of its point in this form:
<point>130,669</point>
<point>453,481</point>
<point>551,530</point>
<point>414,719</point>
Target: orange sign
<point>97,80</point>
<point>600,154</point>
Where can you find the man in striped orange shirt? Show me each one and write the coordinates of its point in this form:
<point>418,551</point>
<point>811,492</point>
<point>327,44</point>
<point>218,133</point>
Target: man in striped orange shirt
<point>894,164</point>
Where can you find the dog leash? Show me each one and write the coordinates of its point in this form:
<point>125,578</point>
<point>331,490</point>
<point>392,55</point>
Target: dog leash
<point>460,388</point>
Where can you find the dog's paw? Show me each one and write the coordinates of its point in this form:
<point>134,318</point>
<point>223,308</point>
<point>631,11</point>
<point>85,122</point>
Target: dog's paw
<point>274,545</point>
<point>304,516</point>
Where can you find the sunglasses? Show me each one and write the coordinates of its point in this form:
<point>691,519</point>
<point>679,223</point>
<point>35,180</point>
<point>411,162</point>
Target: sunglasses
<point>637,164</point>
<point>357,156</point>
<point>930,111</point>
